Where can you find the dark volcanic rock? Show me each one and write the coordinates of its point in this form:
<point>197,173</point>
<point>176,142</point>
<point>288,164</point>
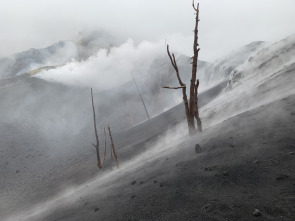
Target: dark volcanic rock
<point>133,182</point>
<point>198,148</point>
<point>282,177</point>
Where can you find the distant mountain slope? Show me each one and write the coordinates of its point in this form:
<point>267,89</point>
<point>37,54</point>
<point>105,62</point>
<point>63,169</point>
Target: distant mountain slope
<point>56,54</point>
<point>85,45</point>
<point>36,92</point>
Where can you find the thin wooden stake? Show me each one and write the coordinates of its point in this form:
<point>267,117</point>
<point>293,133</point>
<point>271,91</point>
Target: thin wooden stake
<point>105,146</point>
<point>113,147</point>
<point>96,135</point>
<point>140,97</point>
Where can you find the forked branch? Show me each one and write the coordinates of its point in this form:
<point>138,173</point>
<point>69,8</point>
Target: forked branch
<point>182,85</point>
<point>196,9</point>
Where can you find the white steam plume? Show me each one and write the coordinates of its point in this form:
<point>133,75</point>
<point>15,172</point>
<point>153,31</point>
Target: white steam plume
<point>108,68</point>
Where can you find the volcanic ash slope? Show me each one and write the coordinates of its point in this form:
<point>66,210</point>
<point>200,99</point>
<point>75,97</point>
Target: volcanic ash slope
<point>245,163</point>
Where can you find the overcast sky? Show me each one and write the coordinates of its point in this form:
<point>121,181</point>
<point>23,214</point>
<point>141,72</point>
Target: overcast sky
<point>225,24</point>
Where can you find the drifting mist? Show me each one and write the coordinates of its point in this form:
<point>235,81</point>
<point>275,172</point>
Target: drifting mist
<point>108,68</point>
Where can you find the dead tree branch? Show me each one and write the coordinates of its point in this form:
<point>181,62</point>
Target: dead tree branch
<point>174,87</point>
<point>183,86</point>
<point>173,62</point>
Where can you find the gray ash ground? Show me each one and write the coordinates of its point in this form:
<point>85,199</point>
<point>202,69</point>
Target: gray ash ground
<point>246,164</point>
<point>241,167</point>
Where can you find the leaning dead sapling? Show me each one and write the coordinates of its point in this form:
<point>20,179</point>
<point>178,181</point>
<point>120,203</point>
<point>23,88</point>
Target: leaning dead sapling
<point>99,161</point>
<point>113,148</point>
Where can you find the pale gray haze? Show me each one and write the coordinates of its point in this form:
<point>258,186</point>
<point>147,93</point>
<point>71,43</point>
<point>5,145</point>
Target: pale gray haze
<point>225,24</point>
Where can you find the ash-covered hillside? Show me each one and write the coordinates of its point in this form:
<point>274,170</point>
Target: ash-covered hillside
<point>30,102</point>
<point>58,54</point>
<point>246,161</point>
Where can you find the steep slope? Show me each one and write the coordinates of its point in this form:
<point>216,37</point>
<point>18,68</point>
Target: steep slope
<point>246,161</point>
<point>236,172</point>
<point>268,76</point>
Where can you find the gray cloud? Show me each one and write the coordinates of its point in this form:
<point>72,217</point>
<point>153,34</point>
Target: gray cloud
<point>225,25</point>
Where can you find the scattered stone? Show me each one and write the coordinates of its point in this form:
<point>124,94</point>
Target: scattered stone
<point>207,207</point>
<point>167,158</point>
<point>232,145</point>
<point>291,153</point>
<point>198,148</point>
<point>141,182</point>
<point>210,168</point>
<point>293,113</point>
<point>282,177</point>
<point>133,182</point>
<point>225,173</point>
<point>256,161</point>
<point>264,143</point>
<point>132,196</point>
<point>17,171</point>
<point>86,203</point>
<point>96,209</point>
<point>155,181</point>
<point>161,185</point>
<point>257,212</point>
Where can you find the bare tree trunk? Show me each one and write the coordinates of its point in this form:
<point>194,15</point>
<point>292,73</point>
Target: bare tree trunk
<point>196,109</point>
<point>96,135</point>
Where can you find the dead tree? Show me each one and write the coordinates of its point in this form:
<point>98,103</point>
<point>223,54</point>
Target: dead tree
<point>191,106</point>
<point>99,161</point>
<point>113,150</point>
<point>195,106</point>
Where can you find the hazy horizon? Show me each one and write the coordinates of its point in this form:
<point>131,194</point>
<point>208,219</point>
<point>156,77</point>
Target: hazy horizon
<point>224,26</point>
